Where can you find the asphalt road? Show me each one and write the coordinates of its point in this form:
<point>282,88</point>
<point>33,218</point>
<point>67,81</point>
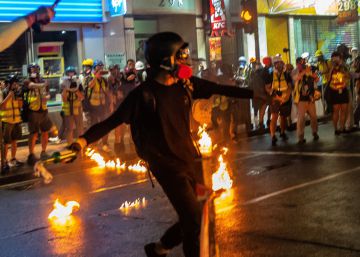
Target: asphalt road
<point>292,200</point>
<point>99,228</point>
<point>286,201</point>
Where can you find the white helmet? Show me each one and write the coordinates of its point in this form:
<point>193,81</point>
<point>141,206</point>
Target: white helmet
<point>305,55</point>
<point>139,65</point>
<point>277,58</point>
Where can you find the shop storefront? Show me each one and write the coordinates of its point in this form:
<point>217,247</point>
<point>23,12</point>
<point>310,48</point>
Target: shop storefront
<point>306,26</point>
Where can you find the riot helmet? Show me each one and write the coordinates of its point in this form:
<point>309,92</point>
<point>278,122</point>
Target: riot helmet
<point>161,50</point>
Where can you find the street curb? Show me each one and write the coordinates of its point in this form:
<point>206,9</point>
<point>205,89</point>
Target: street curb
<point>27,173</point>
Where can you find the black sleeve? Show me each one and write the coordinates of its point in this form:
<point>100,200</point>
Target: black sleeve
<point>205,89</point>
<point>123,114</point>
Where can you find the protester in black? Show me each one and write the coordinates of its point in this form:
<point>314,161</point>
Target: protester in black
<point>158,113</point>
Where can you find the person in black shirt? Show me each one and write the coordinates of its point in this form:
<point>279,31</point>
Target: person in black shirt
<point>158,113</point>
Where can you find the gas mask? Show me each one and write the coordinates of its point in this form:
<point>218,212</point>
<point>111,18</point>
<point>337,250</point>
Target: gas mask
<point>183,68</point>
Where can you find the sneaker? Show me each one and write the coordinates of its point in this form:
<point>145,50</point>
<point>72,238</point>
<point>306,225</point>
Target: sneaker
<point>301,141</point>
<point>284,136</point>
<point>44,156</point>
<point>150,251</point>
<point>273,141</point>
<point>31,160</point>
<point>55,140</point>
<point>315,136</point>
<point>15,163</point>
<point>5,169</point>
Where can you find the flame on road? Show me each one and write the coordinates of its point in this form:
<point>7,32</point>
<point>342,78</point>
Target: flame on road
<point>221,178</point>
<point>63,212</point>
<point>205,142</point>
<point>99,159</point>
<point>138,167</point>
<point>137,204</point>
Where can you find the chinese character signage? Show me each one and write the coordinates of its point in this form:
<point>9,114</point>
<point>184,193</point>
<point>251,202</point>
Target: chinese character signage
<point>117,7</point>
<point>347,11</point>
<point>217,15</point>
<point>153,7</point>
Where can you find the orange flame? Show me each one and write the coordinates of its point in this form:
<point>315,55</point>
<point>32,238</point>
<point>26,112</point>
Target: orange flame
<point>138,203</point>
<point>221,178</point>
<point>205,142</point>
<point>62,212</point>
<point>99,159</point>
<point>138,167</point>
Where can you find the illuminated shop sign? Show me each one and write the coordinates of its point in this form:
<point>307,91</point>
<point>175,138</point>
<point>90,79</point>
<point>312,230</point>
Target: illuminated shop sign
<point>304,7</point>
<point>117,7</point>
<point>66,10</point>
<point>217,15</point>
<point>348,11</point>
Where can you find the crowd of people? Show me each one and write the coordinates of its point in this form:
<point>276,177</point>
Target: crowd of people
<point>90,96</point>
<point>283,90</point>
<point>95,93</point>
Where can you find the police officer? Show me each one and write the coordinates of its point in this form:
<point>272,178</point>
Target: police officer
<point>71,106</point>
<point>158,113</point>
<point>10,112</point>
<point>37,95</point>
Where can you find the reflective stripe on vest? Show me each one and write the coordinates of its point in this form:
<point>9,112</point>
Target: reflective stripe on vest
<point>279,84</point>
<point>11,112</point>
<point>72,106</point>
<point>98,96</point>
<point>36,101</point>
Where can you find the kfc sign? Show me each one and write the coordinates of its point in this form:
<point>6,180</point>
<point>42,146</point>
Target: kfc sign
<point>217,15</point>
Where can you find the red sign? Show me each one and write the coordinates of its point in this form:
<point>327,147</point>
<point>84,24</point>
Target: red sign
<point>347,11</point>
<point>217,15</point>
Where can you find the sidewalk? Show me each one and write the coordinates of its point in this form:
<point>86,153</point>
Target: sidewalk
<point>26,172</point>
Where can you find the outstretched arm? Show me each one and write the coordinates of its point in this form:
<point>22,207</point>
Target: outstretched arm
<point>122,115</point>
<point>12,31</point>
<point>205,89</point>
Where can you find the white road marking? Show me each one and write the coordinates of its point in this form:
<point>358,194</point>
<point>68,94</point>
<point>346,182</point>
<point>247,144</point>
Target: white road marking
<point>290,189</point>
<point>103,189</point>
<point>317,154</point>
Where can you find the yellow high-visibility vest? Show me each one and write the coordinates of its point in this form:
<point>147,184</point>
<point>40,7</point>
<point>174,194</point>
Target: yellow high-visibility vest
<point>97,94</point>
<point>324,69</point>
<point>279,84</point>
<point>72,106</point>
<point>36,100</point>
<point>11,112</point>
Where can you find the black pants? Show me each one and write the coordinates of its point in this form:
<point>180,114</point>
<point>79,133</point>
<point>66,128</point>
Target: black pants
<point>180,189</point>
